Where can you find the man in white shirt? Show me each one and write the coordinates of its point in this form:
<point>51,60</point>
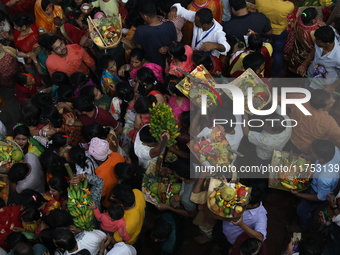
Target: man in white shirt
<point>208,34</point>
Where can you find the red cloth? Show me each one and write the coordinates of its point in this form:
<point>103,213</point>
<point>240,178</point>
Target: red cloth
<point>28,42</point>
<point>100,116</point>
<point>72,33</point>
<point>8,68</point>
<point>9,218</point>
<point>22,6</point>
<point>24,94</point>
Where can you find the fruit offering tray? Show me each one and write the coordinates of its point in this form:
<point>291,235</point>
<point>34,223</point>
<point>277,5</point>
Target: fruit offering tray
<point>199,82</point>
<point>261,95</point>
<point>161,189</point>
<point>211,147</point>
<point>10,153</point>
<point>289,171</point>
<point>227,201</point>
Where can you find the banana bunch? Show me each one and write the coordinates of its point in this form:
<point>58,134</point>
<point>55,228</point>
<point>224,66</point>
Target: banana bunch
<point>287,185</point>
<point>2,184</point>
<point>326,3</point>
<point>77,204</point>
<point>162,120</point>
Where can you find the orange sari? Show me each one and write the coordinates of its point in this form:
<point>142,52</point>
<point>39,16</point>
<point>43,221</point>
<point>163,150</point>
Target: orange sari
<point>46,21</point>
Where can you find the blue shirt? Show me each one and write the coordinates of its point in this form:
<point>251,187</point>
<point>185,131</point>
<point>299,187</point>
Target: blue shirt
<point>325,177</point>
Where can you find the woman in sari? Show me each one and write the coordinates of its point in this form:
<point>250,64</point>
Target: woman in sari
<point>8,66</point>
<point>25,34</point>
<point>305,26</point>
<point>75,35</point>
<point>48,15</point>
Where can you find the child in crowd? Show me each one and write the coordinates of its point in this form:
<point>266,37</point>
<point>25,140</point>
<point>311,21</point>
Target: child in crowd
<point>109,77</point>
<point>112,220</point>
<point>79,80</point>
<point>142,106</point>
<point>99,99</point>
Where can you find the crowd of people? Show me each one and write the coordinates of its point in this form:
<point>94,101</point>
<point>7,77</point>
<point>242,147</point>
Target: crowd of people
<point>90,108</point>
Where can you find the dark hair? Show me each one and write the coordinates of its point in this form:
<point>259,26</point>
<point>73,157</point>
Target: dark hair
<point>88,91</point>
<point>46,41</point>
<point>336,22</point>
<point>255,42</point>
<point>115,211</point>
<point>172,81</point>
<point>308,15</point>
<point>30,114</point>
<point>126,173</point>
<point>145,135</point>
<point>161,230</point>
<point>21,130</point>
<point>256,195</point>
<point>185,119</point>
<point>52,163</point>
<point>105,61</point>
<point>228,116</point>
<point>31,198</point>
<point>23,248</point>
<point>60,78</point>
<point>205,15</point>
<point>125,93</point>
<point>251,246</point>
<point>134,19</point>
<point>310,246</point>
<point>83,104</point>
<point>18,172</point>
<point>276,126</point>
<point>45,4</point>
<point>79,79</point>
<point>57,140</point>
<point>145,74</point>
<point>96,130</point>
<point>78,156</point>
<point>45,238</point>
<point>64,238</point>
<point>323,149</point>
<point>15,237</point>
<point>325,34</point>
<point>148,8</point>
<point>58,218</point>
<point>65,93</point>
<point>2,202</point>
<point>177,50</point>
<point>51,113</point>
<point>124,195</point>
<point>138,53</point>
<point>30,214</point>
<point>202,58</point>
<point>42,100</point>
<point>237,4</point>
<point>182,168</point>
<point>3,15</point>
<point>319,98</point>
<point>22,20</point>
<point>142,105</point>
<point>21,79</point>
<point>59,184</point>
<point>253,60</point>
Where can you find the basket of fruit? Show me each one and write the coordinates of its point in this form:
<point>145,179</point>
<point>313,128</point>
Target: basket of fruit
<point>161,189</point>
<point>211,147</point>
<point>10,152</point>
<point>106,33</point>
<point>261,95</point>
<point>197,83</point>
<point>289,172</point>
<point>227,201</point>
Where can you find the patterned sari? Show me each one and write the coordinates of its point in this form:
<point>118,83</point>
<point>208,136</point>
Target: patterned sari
<point>46,21</point>
<point>303,44</point>
<point>26,43</point>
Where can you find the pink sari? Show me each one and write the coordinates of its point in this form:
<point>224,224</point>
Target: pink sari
<point>157,70</point>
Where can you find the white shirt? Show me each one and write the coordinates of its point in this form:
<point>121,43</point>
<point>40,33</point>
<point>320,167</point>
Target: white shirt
<point>326,68</point>
<point>143,152</point>
<point>2,129</point>
<point>215,34</point>
<point>89,240</point>
<point>122,249</point>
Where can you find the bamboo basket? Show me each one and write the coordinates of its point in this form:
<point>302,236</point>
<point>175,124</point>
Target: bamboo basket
<point>248,74</point>
<point>93,24</point>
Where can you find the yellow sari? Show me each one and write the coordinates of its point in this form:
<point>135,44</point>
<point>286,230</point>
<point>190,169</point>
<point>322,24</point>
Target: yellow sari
<point>46,21</point>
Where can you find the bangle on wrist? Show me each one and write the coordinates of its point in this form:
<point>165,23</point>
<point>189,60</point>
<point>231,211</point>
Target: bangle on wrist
<point>35,62</point>
<point>303,64</point>
<point>334,207</point>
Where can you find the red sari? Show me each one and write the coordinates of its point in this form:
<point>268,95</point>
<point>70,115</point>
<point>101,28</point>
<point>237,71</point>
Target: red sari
<point>22,6</point>
<point>26,43</point>
<point>72,33</point>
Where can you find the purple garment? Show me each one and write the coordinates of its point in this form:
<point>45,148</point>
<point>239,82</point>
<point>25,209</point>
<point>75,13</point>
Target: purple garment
<point>254,218</point>
<point>89,83</point>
